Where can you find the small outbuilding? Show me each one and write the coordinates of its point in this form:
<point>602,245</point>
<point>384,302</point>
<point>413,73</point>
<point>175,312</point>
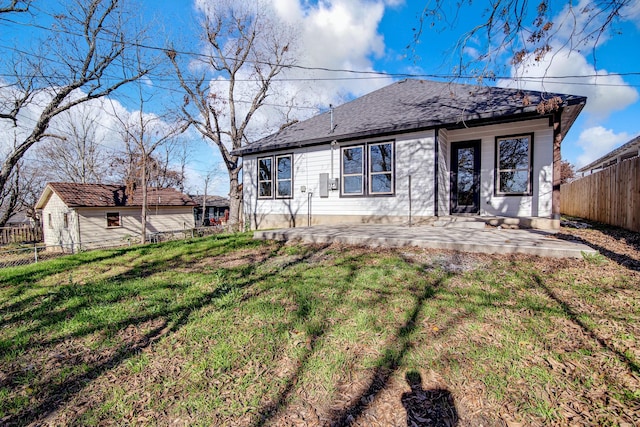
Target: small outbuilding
<point>83,216</point>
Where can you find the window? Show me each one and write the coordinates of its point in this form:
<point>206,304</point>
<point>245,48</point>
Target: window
<point>265,178</point>
<point>282,177</point>
<point>65,220</point>
<point>368,170</point>
<point>353,170</point>
<point>50,220</point>
<point>284,184</point>
<point>381,168</point>
<point>113,219</point>
<point>513,165</point>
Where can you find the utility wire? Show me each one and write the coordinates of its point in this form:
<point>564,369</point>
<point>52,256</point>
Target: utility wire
<point>325,69</point>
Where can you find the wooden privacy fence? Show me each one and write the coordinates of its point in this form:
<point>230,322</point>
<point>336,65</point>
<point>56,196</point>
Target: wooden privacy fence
<point>20,235</point>
<point>610,196</point>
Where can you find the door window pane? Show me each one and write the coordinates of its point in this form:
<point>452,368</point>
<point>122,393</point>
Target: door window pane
<point>465,177</point>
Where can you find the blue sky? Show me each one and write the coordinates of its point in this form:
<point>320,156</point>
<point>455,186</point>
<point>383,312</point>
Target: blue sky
<point>373,35</point>
<point>377,33</point>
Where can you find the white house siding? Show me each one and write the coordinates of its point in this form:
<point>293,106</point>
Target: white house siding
<point>537,205</point>
<point>55,233</point>
<point>444,183</point>
<point>414,156</point>
<point>94,230</point>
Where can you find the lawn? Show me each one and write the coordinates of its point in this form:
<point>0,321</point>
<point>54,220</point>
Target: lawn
<point>225,330</point>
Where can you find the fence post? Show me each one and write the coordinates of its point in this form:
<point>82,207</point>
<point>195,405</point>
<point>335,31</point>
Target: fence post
<point>35,252</point>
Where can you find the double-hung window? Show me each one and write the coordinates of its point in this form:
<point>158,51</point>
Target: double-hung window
<point>284,176</point>
<point>368,170</point>
<point>353,170</point>
<point>265,178</point>
<point>381,168</point>
<point>513,165</point>
<point>275,177</point>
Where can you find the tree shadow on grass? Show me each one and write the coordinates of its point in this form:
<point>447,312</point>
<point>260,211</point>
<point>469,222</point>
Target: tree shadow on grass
<point>624,260</point>
<point>51,396</point>
<point>575,318</point>
<point>389,363</point>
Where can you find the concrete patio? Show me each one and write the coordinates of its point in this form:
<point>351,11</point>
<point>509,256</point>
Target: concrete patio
<point>466,239</point>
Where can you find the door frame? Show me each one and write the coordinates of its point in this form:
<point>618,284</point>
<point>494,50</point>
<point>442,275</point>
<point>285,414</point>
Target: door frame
<point>453,197</point>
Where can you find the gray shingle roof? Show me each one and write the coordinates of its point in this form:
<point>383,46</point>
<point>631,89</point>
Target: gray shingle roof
<point>412,105</point>
<point>212,200</point>
<point>104,195</point>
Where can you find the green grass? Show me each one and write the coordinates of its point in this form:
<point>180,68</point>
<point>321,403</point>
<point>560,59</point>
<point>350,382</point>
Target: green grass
<point>228,330</point>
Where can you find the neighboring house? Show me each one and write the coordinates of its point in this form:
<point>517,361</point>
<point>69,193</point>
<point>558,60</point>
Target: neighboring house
<point>627,151</point>
<point>216,209</point>
<point>414,150</point>
<point>88,215</point>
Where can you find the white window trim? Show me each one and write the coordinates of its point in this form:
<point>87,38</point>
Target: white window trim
<point>106,217</point>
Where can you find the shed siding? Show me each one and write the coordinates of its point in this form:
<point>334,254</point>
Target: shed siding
<point>55,232</point>
<point>93,225</point>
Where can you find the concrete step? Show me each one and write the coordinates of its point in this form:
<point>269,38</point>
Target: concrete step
<point>459,222</point>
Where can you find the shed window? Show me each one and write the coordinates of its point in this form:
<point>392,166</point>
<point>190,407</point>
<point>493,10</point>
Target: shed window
<point>513,161</point>
<point>113,219</point>
<point>65,220</point>
<point>50,220</point>
<point>265,178</point>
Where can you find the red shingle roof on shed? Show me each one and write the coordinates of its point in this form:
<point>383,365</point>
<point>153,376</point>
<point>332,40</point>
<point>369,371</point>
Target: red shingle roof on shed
<point>105,195</point>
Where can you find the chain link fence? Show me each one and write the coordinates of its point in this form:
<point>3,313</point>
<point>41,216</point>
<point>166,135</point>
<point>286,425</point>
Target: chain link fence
<point>23,254</point>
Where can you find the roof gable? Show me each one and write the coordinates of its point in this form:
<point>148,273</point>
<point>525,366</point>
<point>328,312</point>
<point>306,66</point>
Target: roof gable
<point>412,105</point>
<point>105,195</point>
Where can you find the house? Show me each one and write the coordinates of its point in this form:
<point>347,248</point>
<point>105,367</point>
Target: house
<point>413,151</point>
<point>216,209</point>
<point>626,151</point>
<point>83,216</point>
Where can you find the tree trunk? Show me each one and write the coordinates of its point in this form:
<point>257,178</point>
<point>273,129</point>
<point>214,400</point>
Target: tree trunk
<point>143,213</point>
<point>235,201</point>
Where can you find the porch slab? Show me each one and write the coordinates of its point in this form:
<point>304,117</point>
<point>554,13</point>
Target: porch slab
<point>485,240</point>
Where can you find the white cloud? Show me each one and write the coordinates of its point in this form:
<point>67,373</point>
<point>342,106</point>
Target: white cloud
<point>597,141</point>
<point>605,93</point>
<point>330,34</point>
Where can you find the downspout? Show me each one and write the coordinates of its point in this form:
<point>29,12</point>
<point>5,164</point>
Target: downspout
<point>436,168</point>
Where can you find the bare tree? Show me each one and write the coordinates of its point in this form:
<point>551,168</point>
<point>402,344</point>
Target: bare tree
<point>76,152</point>
<point>86,58</point>
<point>522,29</point>
<point>245,52</point>
<point>143,133</point>
<point>14,6</point>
